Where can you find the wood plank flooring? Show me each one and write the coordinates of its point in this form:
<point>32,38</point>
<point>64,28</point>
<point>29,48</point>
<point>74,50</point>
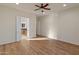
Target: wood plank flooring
<point>39,47</point>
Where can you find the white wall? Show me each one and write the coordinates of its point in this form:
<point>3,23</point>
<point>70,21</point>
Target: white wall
<point>64,26</point>
<point>38,25</point>
<point>48,26</point>
<point>8,24</point>
<point>69,25</point>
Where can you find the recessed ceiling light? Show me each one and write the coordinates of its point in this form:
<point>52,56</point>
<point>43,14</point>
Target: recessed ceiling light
<point>64,5</point>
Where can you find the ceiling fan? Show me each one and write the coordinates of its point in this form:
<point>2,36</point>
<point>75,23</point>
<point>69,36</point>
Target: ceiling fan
<point>42,7</point>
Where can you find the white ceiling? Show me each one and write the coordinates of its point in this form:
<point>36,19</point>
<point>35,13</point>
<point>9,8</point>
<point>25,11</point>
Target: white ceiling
<point>29,7</point>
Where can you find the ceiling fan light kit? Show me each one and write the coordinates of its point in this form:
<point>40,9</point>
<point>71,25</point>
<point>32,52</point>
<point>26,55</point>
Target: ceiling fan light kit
<point>43,12</point>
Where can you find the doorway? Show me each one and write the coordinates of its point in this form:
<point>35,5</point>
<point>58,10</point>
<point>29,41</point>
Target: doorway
<point>22,27</point>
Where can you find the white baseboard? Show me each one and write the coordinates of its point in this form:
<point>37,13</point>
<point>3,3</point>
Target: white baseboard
<point>74,43</point>
<point>2,43</point>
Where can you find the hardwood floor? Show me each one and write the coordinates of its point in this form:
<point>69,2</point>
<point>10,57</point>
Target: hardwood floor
<point>39,47</point>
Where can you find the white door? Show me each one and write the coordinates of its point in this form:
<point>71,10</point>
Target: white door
<point>18,28</point>
<point>28,28</point>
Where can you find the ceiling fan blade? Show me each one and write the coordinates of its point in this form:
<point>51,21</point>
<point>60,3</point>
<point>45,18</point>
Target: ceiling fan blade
<point>45,5</point>
<point>47,8</point>
<point>37,6</point>
<point>42,7</point>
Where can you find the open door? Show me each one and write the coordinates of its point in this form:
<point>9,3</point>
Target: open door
<point>18,28</point>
